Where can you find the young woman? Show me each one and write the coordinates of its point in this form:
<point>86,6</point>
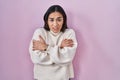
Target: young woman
<point>53,47</point>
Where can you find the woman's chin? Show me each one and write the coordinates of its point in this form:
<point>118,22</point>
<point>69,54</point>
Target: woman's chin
<point>56,31</point>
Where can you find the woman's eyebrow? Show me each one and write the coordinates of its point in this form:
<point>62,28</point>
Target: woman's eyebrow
<point>50,18</point>
<point>59,17</point>
<point>53,18</point>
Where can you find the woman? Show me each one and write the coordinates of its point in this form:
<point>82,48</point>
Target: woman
<point>53,47</point>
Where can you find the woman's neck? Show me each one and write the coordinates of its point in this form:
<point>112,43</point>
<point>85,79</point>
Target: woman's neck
<point>54,34</point>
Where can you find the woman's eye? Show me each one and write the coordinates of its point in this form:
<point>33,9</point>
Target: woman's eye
<point>59,19</point>
<point>51,20</point>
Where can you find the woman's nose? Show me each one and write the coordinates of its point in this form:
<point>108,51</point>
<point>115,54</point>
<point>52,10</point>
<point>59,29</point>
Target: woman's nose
<point>55,23</point>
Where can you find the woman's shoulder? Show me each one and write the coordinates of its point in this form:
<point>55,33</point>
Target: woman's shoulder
<point>69,30</point>
<point>69,33</point>
<point>40,30</point>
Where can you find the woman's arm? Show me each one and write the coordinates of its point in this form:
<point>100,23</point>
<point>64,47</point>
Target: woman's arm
<point>37,53</point>
<point>66,53</point>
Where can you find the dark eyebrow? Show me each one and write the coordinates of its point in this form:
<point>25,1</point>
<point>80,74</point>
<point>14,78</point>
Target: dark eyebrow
<point>57,17</point>
<point>50,18</point>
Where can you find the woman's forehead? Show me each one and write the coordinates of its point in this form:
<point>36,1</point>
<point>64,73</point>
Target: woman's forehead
<point>55,14</point>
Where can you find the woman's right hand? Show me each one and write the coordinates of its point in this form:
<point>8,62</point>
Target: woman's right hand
<point>66,43</point>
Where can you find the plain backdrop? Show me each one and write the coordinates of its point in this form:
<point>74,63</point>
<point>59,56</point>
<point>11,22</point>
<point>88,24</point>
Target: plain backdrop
<point>97,27</point>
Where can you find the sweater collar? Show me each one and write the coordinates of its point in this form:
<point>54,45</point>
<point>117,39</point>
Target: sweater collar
<point>54,34</point>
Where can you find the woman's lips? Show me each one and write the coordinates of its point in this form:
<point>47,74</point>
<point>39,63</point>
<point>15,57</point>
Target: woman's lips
<point>55,28</point>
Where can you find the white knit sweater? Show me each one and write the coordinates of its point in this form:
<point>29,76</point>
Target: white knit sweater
<point>54,63</point>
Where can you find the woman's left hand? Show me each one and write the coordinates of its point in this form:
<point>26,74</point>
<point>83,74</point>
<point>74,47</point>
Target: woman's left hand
<point>39,44</point>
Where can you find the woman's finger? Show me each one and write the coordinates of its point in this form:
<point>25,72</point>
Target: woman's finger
<point>41,39</point>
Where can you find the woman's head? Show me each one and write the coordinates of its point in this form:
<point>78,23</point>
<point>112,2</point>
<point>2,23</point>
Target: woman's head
<point>55,19</point>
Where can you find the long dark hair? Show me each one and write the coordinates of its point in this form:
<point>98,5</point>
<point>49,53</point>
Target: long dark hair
<point>59,9</point>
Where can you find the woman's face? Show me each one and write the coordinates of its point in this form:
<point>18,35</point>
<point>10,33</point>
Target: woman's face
<point>55,22</point>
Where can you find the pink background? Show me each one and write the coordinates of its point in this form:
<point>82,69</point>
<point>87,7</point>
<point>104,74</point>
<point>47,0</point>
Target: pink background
<point>97,26</point>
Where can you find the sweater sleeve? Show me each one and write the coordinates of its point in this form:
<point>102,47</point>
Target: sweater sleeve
<point>39,57</point>
<point>66,54</point>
